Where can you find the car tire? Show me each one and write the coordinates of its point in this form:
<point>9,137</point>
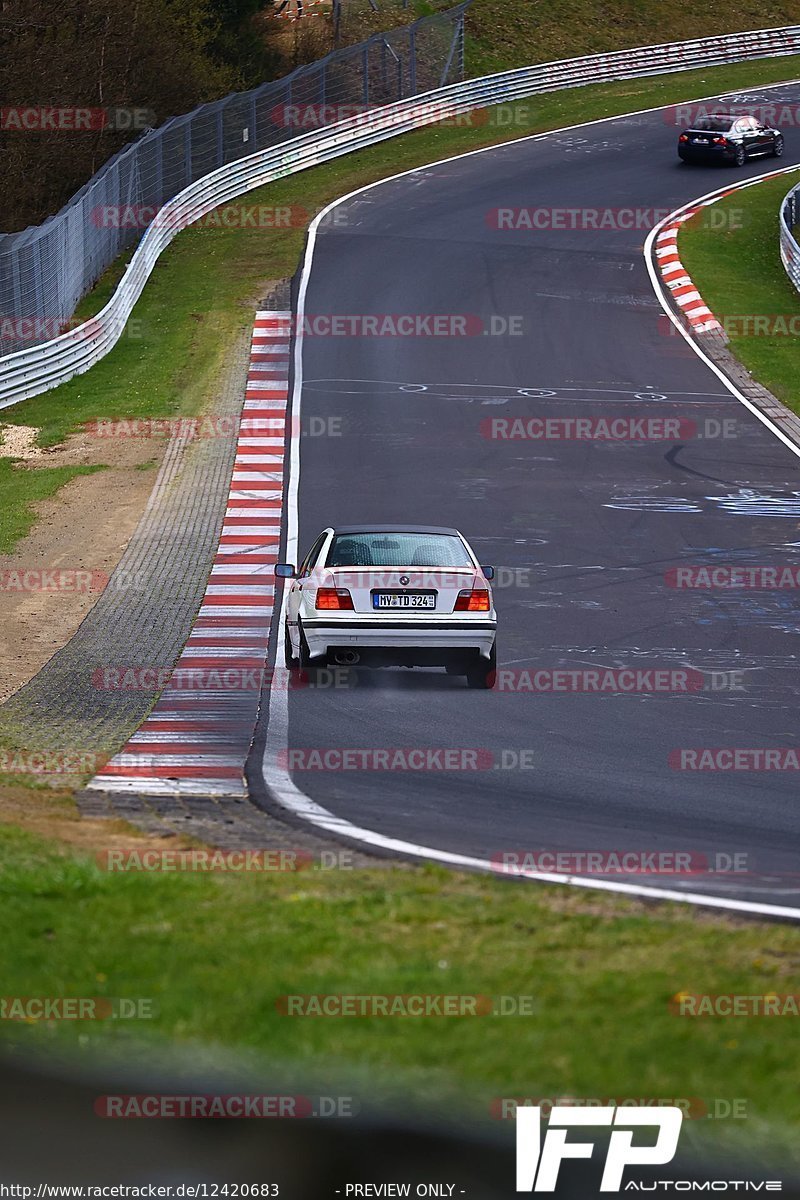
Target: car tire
<point>484,673</point>
<point>777,149</point>
<point>306,661</point>
<point>739,157</point>
<point>292,663</point>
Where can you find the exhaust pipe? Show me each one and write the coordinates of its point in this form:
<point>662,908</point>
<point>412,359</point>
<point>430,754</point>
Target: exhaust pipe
<point>347,658</point>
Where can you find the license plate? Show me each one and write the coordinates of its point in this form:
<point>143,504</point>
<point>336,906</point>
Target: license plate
<point>702,141</point>
<point>404,600</point>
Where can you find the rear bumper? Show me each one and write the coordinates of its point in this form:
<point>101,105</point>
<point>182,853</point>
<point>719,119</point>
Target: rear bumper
<point>707,154</point>
<point>365,633</point>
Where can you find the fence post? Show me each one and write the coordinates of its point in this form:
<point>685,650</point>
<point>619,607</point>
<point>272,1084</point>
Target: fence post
<point>412,61</point>
<point>187,150</point>
<point>456,47</point>
<point>220,136</point>
<point>159,161</point>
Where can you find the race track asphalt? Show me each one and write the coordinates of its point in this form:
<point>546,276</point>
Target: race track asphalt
<point>583,532</point>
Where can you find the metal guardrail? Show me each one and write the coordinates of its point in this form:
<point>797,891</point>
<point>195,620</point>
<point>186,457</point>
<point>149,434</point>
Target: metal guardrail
<point>29,372</point>
<point>790,250</point>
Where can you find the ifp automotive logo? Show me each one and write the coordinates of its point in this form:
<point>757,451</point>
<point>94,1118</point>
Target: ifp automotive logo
<point>538,1161</point>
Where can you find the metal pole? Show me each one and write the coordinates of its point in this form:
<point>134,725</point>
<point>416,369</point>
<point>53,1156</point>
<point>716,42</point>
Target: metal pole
<point>412,60</point>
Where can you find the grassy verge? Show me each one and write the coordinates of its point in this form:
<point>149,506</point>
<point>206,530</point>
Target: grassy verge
<point>502,35</point>
<point>739,274</point>
<point>600,971</point>
<point>20,490</point>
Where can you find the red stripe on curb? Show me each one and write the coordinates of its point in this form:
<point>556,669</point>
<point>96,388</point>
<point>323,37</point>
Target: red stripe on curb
<point>685,294</point>
<point>252,590</point>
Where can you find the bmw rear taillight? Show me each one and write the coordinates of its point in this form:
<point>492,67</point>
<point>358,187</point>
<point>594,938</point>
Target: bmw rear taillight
<point>334,598</point>
<point>719,141</point>
<point>475,600</point>
<point>684,137</point>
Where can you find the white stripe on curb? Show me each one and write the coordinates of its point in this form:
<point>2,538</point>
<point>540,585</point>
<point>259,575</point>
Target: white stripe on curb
<point>236,610</point>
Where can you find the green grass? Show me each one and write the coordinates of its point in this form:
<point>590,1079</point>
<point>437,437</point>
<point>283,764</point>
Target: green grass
<point>21,489</point>
<point>738,272</point>
<point>502,35</point>
<point>214,953</point>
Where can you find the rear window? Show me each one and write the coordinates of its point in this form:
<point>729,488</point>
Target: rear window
<point>397,550</point>
<point>713,124</point>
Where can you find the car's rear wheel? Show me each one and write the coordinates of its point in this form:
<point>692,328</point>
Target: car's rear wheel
<point>291,662</point>
<point>777,148</point>
<point>483,673</point>
<point>308,661</point>
<point>739,156</point>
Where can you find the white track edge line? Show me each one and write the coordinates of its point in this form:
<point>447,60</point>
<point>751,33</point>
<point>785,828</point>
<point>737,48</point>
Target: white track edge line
<point>658,287</point>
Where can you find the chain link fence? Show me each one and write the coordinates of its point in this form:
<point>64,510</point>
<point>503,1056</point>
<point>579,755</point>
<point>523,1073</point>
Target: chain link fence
<point>47,269</point>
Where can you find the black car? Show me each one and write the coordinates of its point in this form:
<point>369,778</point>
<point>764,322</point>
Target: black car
<point>729,139</point>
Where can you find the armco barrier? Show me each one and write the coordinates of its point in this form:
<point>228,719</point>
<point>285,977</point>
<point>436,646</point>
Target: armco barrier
<point>790,250</point>
<point>29,372</point>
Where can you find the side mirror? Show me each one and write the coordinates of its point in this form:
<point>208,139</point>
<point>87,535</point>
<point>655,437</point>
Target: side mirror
<point>285,571</point>
<point>488,572</point>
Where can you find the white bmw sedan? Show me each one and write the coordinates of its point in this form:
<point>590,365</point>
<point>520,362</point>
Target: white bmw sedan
<point>392,595</point>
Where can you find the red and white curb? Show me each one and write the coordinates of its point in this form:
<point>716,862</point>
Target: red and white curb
<point>197,737</point>
<point>698,316</point>
<point>676,277</point>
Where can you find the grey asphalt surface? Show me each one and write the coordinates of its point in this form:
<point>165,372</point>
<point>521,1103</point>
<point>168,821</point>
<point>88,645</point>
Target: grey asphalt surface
<point>583,531</point>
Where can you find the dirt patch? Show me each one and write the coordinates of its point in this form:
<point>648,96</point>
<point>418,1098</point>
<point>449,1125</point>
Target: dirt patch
<point>19,441</point>
<point>55,815</point>
<point>58,571</point>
